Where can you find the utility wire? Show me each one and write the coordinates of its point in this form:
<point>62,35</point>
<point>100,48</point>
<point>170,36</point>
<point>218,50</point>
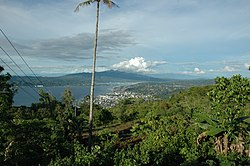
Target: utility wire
<point>17,65</point>
<point>22,57</point>
<point>20,78</point>
<point>20,70</point>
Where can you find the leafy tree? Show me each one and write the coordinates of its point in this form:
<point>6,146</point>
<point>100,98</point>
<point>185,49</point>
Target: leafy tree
<point>6,91</point>
<point>67,99</point>
<point>103,116</point>
<point>227,120</point>
<point>6,99</point>
<point>47,104</point>
<point>26,145</point>
<point>110,4</point>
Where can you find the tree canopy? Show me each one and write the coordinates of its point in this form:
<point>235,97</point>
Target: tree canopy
<point>198,126</point>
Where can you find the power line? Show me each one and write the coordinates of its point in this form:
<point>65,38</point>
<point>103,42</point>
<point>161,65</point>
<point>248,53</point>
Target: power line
<point>20,78</point>
<point>20,70</point>
<point>17,65</point>
<point>22,57</point>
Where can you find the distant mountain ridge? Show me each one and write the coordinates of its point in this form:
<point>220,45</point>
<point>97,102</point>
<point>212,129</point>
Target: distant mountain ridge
<point>85,78</point>
<point>112,74</point>
<point>175,76</point>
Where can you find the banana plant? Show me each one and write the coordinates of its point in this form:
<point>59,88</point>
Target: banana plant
<point>211,126</point>
<point>223,136</point>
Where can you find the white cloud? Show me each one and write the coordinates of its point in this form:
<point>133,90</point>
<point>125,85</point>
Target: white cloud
<point>137,64</point>
<point>247,65</point>
<point>195,71</point>
<point>198,71</point>
<point>49,32</point>
<point>229,69</point>
<point>186,72</point>
<point>211,70</point>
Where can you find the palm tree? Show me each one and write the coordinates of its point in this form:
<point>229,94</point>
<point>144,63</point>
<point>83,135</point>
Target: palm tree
<point>110,4</point>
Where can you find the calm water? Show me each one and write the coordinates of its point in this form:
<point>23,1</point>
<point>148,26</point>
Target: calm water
<point>22,98</point>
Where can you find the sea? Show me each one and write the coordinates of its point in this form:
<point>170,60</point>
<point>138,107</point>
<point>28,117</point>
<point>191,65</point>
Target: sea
<point>26,95</point>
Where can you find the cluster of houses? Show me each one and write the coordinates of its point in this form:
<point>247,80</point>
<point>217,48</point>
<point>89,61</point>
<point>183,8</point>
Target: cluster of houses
<point>111,99</point>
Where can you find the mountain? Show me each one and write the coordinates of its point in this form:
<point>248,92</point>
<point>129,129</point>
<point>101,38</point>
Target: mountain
<point>174,76</point>
<point>85,78</point>
<point>115,75</point>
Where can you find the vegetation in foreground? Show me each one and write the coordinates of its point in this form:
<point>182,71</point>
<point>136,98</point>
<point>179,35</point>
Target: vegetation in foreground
<point>199,126</point>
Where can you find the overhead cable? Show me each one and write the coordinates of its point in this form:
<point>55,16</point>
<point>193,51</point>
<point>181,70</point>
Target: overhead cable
<point>20,78</point>
<point>22,57</point>
<point>20,70</point>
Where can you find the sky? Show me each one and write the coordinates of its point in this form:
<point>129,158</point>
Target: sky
<point>193,37</point>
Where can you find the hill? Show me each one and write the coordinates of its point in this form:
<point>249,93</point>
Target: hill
<point>85,78</point>
<point>176,76</point>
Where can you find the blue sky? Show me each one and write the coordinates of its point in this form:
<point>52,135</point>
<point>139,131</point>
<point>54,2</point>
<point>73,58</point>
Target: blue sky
<point>193,37</point>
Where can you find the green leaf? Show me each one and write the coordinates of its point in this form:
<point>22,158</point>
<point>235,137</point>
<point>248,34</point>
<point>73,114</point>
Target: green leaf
<point>204,125</point>
<point>204,118</point>
<point>214,131</point>
<point>245,119</point>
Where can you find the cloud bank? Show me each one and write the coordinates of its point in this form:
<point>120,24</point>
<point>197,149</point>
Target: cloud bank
<point>137,64</point>
<point>208,33</point>
<point>198,71</point>
<point>78,47</point>
<point>247,65</point>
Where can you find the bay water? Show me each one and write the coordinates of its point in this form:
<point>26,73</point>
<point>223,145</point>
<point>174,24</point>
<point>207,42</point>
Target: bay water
<point>26,95</point>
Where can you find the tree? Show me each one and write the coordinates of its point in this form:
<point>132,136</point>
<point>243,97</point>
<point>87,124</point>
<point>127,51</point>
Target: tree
<point>68,99</point>
<point>228,120</point>
<point>6,90</point>
<point>6,99</point>
<point>47,104</point>
<point>103,116</point>
<point>110,4</point>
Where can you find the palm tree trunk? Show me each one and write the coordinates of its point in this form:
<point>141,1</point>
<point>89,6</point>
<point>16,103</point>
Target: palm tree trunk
<point>93,79</point>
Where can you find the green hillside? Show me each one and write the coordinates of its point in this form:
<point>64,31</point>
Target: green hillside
<point>202,125</point>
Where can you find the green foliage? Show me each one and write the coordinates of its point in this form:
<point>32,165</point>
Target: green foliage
<point>28,142</point>
<point>46,106</point>
<point>211,126</point>
<point>6,99</point>
<point>186,129</point>
<point>228,99</point>
<point>6,91</point>
<point>102,117</point>
<point>124,111</point>
<point>133,109</point>
<point>226,122</point>
<point>68,99</point>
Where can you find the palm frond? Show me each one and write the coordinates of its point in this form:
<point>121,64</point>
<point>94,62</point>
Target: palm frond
<point>85,3</point>
<point>110,3</point>
<point>114,4</point>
